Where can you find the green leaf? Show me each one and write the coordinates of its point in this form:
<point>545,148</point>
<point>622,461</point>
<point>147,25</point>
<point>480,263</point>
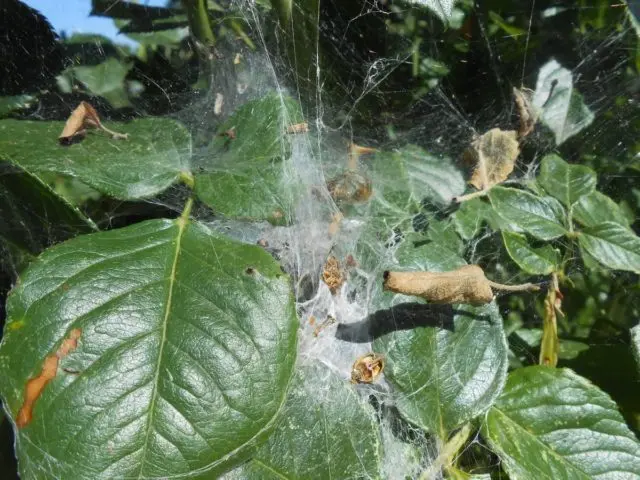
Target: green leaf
<point>471,216</point>
<point>451,369</point>
<point>107,79</point>
<point>612,245</point>
<point>635,344</point>
<point>567,183</point>
<point>32,216</point>
<point>334,436</point>
<point>187,348</point>
<point>542,217</point>
<point>597,208</point>
<point>170,31</point>
<point>150,160</point>
<point>552,423</point>
<point>444,376</point>
<point>10,104</point>
<point>247,172</point>
<point>561,107</point>
<point>408,176</point>
<point>443,9</point>
<point>537,261</point>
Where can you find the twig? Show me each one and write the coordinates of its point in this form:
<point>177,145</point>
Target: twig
<point>524,287</point>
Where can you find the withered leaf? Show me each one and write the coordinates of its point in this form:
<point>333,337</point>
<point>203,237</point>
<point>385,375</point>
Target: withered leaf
<point>81,119</point>
<point>36,385</point>
<point>332,274</point>
<point>467,284</point>
<point>298,128</point>
<point>493,156</point>
<point>350,187</point>
<point>367,368</point>
<point>526,112</point>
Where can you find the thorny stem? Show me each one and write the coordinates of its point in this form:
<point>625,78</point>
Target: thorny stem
<point>523,287</point>
<point>448,452</point>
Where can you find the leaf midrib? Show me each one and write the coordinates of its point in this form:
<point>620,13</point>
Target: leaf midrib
<point>182,223</point>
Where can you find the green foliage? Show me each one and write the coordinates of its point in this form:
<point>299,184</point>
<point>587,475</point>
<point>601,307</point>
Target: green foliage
<point>187,346</point>
<point>553,423</point>
<point>191,360</point>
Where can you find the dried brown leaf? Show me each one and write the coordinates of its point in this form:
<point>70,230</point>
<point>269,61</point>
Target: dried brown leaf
<point>350,187</point>
<point>298,128</point>
<point>493,156</point>
<point>35,386</point>
<point>467,284</point>
<point>526,112</point>
<point>81,119</point>
<point>367,368</point>
<point>332,274</point>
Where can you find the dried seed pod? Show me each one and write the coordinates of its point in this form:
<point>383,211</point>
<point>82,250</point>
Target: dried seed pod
<point>467,284</point>
<point>367,368</point>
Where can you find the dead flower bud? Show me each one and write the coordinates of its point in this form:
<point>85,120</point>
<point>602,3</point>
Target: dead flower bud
<point>81,119</point>
<point>298,128</point>
<point>467,284</point>
<point>367,368</point>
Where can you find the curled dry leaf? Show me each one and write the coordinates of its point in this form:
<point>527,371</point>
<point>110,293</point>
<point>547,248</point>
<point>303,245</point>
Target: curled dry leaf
<point>332,274</point>
<point>35,386</point>
<point>327,322</point>
<point>81,119</point>
<point>526,112</point>
<point>467,284</point>
<point>354,153</point>
<point>350,187</point>
<point>298,128</point>
<point>550,345</point>
<point>493,156</point>
<point>367,368</point>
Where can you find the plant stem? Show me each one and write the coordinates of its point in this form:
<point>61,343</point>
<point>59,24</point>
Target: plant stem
<point>448,452</point>
<point>549,345</point>
<point>523,287</point>
<point>186,211</point>
<point>199,21</point>
<point>283,7</point>
<point>471,196</point>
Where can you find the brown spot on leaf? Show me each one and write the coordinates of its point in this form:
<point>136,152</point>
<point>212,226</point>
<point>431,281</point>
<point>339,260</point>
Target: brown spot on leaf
<point>35,386</point>
<point>367,368</point>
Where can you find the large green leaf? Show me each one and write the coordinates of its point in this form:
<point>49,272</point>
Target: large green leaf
<point>471,216</point>
<point>537,261</point>
<point>107,79</point>
<point>612,245</point>
<point>150,160</point>
<point>552,423</point>
<point>408,176</point>
<point>542,217</point>
<point>186,350</point>
<point>442,8</point>
<point>32,215</point>
<point>245,173</point>
<point>326,432</point>
<point>635,344</point>
<point>568,183</point>
<point>597,208</point>
<point>561,107</point>
<point>451,368</point>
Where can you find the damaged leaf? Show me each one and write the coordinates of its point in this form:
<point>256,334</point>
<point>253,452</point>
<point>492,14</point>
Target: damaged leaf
<point>493,156</point>
<point>36,385</point>
<point>81,119</point>
<point>188,347</point>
